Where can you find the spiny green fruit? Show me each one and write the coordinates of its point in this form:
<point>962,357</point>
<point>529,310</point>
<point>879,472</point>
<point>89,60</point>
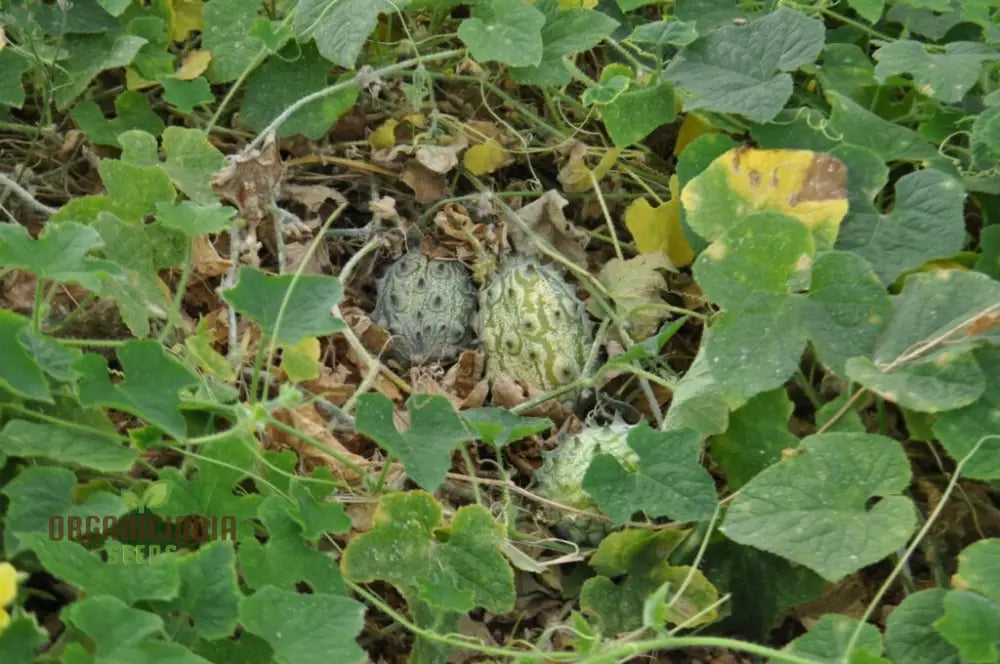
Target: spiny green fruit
<point>533,327</point>
<point>561,479</point>
<point>428,305</point>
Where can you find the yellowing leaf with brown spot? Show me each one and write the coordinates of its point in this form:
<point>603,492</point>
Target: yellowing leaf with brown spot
<point>659,228</point>
<point>808,186</point>
<point>194,65</point>
<point>301,361</point>
<point>384,137</point>
<point>185,18</point>
<point>485,158</point>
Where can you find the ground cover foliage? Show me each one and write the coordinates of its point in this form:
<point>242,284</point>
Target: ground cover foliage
<point>780,222</point>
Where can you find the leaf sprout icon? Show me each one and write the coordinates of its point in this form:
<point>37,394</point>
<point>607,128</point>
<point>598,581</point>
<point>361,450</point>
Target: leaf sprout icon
<point>154,495</point>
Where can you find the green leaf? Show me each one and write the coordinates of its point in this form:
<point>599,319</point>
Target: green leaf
<point>642,555</point>
<point>317,517</point>
<point>989,244</point>
<point>979,568</point>
<point>12,68</point>
<point>856,125</point>
<point>114,7</point>
<point>340,27</point>
<point>828,639</point>
<point>22,638</point>
<point>425,448</point>
<point>135,189</point>
<point>286,559</point>
<point>132,111</point>
<point>923,359</point>
<point>565,32</point>
<point>744,69</point>
<point>668,481</point>
<point>87,17</point>
<point>509,31</point>
<point>909,632</point>
<point>305,629</point>
<point>971,623</point>
<point>307,313</point>
<point>151,389</point>
<point>757,434</point>
<point>811,507</point>
<point>191,161</point>
<point>185,95</point>
<point>20,372</point>
<point>950,382</point>
<point>40,493</point>
<point>130,583</point>
<point>403,549</point>
<point>209,592</point>
<point>226,34</point>
<point>283,80</point>
<point>767,253</point>
<point>959,430</point>
<point>111,623</point>
<point>499,426</point>
<point>664,33</point>
<point>847,308</point>
<point>762,586</point>
<point>22,438</point>
<point>848,70</point>
<point>85,57</point>
<point>212,491</point>
<point>870,10</point>
<point>59,254</point>
<point>926,222</point>
<point>193,219</point>
<point>946,76</point>
<point>635,113</point>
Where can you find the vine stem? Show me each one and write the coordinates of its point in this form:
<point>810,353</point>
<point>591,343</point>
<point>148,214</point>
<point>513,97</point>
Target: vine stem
<point>26,196</point>
<point>343,85</point>
<point>952,483</point>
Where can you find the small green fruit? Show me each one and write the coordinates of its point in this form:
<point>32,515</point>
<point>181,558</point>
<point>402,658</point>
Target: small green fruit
<point>561,479</point>
<point>533,327</point>
<point>428,305</point>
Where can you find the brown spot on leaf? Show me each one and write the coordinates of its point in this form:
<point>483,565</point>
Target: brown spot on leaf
<point>826,179</point>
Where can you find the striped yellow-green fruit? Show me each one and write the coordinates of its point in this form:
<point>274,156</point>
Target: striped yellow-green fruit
<point>560,479</point>
<point>533,327</point>
<point>428,305</point>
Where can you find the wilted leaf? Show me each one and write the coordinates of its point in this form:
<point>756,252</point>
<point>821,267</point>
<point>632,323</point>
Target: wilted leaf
<point>545,217</point>
<point>634,285</point>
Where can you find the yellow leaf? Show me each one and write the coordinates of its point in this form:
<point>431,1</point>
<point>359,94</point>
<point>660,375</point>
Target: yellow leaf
<point>301,361</point>
<point>692,127</point>
<point>3,39</point>
<point>8,584</point>
<point>485,158</point>
<point>575,4</point>
<point>809,186</point>
<point>384,137</point>
<point>136,81</point>
<point>193,65</point>
<point>659,228</point>
<point>186,18</point>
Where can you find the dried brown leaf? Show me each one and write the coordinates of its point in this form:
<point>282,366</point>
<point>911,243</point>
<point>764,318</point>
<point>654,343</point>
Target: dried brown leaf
<point>545,217</point>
